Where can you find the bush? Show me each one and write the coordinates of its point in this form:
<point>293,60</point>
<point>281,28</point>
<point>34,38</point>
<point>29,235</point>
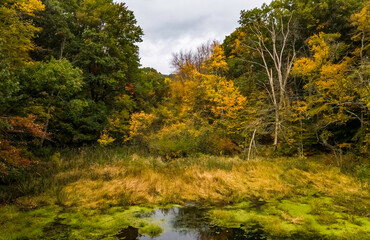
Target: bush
<point>363,173</point>
<point>174,141</point>
<point>181,140</point>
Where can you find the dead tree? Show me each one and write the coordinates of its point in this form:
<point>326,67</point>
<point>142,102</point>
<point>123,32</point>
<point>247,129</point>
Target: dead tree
<point>274,41</point>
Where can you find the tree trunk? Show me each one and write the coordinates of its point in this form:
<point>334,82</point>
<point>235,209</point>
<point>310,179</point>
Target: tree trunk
<point>276,132</point>
<point>62,48</point>
<point>250,145</point>
<point>46,128</point>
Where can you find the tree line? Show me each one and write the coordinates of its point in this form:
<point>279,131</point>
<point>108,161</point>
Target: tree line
<point>292,79</point>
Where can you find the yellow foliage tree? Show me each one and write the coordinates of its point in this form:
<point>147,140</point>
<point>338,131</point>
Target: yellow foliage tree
<point>361,75</point>
<point>217,64</point>
<point>332,97</point>
<point>201,106</point>
<point>225,102</point>
<point>138,124</point>
<point>105,139</point>
<point>17,30</point>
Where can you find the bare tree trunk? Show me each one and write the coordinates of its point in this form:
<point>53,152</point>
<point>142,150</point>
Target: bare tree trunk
<point>282,61</point>
<point>45,129</point>
<point>62,48</point>
<point>250,145</point>
<point>301,150</point>
<point>276,132</point>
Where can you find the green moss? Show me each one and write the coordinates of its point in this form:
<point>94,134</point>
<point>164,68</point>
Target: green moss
<point>18,224</point>
<point>295,209</point>
<point>287,218</point>
<point>151,230</point>
<point>53,222</point>
<point>97,224</point>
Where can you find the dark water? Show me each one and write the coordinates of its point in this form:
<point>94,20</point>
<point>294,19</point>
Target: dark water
<point>191,223</point>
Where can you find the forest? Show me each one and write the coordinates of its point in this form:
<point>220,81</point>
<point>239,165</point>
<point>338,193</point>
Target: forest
<point>265,135</point>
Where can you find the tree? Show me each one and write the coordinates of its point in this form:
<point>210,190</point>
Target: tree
<point>216,64</point>
<point>329,16</point>
<point>332,98</point>
<point>17,30</point>
<point>202,112</point>
<point>185,61</point>
<point>59,35</point>
<point>47,87</point>
<point>107,52</point>
<point>16,133</point>
<point>270,35</point>
<point>16,40</point>
<point>361,71</point>
<point>99,37</point>
<point>149,89</point>
<point>361,21</point>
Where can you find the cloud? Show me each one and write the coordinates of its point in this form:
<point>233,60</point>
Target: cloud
<point>170,26</point>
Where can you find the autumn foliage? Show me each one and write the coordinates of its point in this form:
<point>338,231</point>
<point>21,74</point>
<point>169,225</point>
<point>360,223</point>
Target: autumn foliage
<point>292,79</point>
<point>15,135</point>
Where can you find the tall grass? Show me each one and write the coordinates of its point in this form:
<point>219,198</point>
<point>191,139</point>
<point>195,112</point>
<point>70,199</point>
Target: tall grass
<point>100,177</point>
<point>41,176</point>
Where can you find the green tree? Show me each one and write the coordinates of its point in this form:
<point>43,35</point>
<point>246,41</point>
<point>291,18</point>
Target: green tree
<point>47,88</point>
<point>99,37</point>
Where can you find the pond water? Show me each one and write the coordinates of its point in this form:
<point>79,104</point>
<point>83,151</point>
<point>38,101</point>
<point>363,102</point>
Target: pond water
<point>191,223</point>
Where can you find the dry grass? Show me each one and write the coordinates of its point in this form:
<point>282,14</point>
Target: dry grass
<point>149,181</point>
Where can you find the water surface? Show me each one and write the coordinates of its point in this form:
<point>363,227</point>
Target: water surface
<point>191,223</point>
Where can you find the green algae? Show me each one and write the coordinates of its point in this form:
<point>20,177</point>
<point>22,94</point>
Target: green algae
<point>22,224</point>
<point>308,218</point>
<point>54,222</point>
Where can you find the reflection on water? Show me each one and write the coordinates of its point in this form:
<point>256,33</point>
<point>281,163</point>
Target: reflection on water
<point>129,233</point>
<point>191,223</point>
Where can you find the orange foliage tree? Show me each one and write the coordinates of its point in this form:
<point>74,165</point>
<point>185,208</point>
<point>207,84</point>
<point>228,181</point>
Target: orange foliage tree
<point>16,133</point>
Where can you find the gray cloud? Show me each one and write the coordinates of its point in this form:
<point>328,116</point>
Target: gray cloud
<point>172,25</point>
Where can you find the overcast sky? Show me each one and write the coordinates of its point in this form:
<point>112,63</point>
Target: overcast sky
<point>173,25</point>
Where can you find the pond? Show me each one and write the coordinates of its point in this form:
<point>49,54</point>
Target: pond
<point>190,223</point>
<point>249,220</point>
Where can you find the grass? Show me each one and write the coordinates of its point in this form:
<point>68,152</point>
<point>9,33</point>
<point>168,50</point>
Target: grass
<point>206,180</point>
<point>88,194</point>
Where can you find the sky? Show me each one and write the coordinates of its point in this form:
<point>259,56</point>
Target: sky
<point>173,25</point>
